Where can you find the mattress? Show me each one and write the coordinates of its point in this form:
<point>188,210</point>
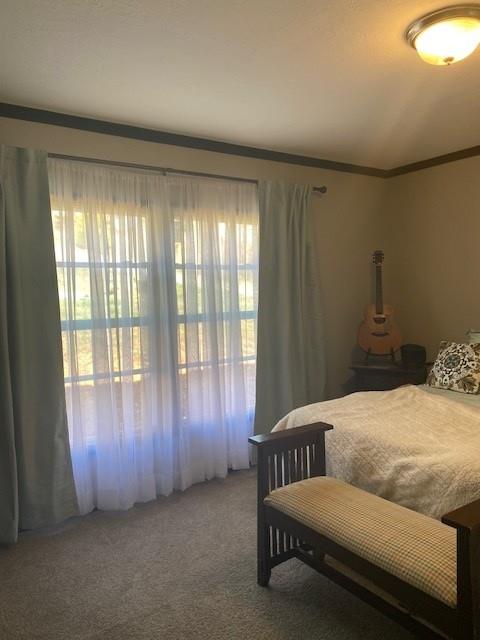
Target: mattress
<point>415,446</point>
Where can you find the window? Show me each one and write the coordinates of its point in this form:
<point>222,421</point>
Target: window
<point>234,312</point>
<point>157,281</point>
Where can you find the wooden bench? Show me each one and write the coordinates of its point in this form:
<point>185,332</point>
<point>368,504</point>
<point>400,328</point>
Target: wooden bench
<point>421,572</point>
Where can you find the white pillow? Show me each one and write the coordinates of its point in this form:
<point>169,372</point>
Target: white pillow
<point>473,336</point>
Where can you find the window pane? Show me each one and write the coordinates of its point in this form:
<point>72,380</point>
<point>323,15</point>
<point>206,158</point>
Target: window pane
<point>74,285</point>
<point>66,354</point>
<point>126,287</point>
<point>77,353</point>
<point>246,290</point>
<point>180,291</point>
<point>249,338</point>
<point>226,293</point>
<point>182,346</point>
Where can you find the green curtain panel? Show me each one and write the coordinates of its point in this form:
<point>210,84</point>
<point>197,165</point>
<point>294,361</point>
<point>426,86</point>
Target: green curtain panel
<point>36,481</point>
<point>290,343</point>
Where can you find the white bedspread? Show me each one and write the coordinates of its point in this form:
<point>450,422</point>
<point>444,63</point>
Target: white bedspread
<point>409,446</point>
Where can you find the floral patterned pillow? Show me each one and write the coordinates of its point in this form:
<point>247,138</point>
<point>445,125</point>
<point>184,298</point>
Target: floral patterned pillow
<point>457,367</point>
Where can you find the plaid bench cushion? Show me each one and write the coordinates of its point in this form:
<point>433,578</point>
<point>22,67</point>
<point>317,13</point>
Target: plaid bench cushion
<point>409,545</point>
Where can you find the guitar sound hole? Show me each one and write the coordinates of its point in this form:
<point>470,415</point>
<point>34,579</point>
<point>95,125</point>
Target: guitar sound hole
<point>379,320</point>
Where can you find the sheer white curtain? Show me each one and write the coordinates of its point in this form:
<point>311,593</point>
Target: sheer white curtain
<point>157,281</point>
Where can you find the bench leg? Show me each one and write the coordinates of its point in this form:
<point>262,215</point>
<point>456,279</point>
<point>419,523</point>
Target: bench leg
<point>263,576</point>
<point>264,570</point>
<point>468,584</point>
<point>263,530</point>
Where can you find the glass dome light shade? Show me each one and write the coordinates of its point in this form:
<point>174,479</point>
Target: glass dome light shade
<point>446,36</point>
<point>449,41</point>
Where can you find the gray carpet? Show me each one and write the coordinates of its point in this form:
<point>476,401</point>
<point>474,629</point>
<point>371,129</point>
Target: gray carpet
<point>178,568</point>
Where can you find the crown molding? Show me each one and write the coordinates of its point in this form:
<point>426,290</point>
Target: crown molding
<point>152,135</point>
<point>93,125</point>
<point>434,162</point>
<point>164,137</point>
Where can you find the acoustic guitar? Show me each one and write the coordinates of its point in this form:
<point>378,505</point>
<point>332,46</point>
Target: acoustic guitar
<point>378,334</point>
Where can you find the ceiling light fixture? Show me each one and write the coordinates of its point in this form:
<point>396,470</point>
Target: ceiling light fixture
<point>446,36</point>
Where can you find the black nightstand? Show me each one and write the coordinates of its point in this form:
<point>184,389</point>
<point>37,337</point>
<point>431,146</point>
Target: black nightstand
<point>382,377</point>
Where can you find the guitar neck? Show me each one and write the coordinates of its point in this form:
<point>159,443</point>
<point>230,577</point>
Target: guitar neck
<point>379,289</point>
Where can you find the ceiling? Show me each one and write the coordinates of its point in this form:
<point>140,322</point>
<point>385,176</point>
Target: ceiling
<point>331,79</point>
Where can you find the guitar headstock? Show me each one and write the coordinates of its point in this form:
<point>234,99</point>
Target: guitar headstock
<point>378,257</point>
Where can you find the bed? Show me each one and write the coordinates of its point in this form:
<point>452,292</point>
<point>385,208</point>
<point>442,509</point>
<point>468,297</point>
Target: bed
<point>416,446</point>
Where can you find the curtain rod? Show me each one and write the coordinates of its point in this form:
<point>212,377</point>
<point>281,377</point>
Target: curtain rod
<point>163,170</point>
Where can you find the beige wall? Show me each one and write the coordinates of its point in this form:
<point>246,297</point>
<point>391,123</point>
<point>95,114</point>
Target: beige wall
<point>433,247</point>
<point>428,223</point>
<point>348,219</point>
